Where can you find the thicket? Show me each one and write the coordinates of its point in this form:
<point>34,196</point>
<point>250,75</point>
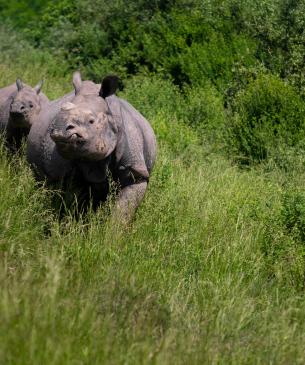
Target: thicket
<point>267,116</point>
<point>187,40</point>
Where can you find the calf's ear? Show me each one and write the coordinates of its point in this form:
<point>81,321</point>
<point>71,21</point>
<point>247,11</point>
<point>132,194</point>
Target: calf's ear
<point>109,86</point>
<point>19,84</point>
<point>38,87</point>
<point>77,81</point>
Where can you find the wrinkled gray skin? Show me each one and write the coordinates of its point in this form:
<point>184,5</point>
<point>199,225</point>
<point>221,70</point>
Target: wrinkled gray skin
<point>100,133</point>
<point>41,150</point>
<point>20,105</point>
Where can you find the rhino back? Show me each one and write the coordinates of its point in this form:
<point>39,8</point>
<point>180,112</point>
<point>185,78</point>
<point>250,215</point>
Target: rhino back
<point>41,150</point>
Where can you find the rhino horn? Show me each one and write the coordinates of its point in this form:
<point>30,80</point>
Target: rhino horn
<point>68,106</point>
<point>38,87</point>
<point>77,81</point>
<point>109,86</point>
<point>19,84</point>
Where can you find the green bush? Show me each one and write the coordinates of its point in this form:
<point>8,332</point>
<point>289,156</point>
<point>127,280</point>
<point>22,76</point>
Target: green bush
<point>177,39</point>
<point>21,12</point>
<point>152,95</point>
<point>14,49</point>
<point>200,107</point>
<point>267,116</point>
<point>188,40</point>
<point>203,109</point>
<point>216,58</point>
<point>278,26</point>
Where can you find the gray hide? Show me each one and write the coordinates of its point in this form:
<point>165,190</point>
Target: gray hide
<point>134,156</point>
<point>99,133</point>
<point>20,105</point>
<point>41,152</point>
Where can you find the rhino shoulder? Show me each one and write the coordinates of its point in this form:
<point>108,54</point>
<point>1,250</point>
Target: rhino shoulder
<point>136,147</point>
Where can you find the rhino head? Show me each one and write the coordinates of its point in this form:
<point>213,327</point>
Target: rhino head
<point>85,129</point>
<point>25,105</point>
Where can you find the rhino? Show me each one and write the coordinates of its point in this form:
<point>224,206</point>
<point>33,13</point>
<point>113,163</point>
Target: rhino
<point>103,138</point>
<point>41,151</point>
<point>20,105</point>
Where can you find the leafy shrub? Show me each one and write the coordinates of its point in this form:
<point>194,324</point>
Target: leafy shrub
<point>22,12</point>
<point>278,26</point>
<point>215,58</point>
<point>267,115</point>
<point>200,107</point>
<point>161,102</point>
<point>14,48</point>
<point>152,95</point>
<point>203,109</point>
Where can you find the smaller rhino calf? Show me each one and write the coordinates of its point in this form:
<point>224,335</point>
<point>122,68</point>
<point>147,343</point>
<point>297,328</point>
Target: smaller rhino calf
<point>20,104</point>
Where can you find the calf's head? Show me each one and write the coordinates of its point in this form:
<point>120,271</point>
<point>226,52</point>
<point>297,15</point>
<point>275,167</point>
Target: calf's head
<point>85,128</point>
<point>25,105</point>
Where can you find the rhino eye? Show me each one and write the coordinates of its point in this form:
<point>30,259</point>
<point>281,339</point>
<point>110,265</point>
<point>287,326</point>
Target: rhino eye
<point>31,105</point>
<point>91,121</point>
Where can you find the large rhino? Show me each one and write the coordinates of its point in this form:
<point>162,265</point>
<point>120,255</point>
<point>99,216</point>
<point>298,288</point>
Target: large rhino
<point>100,135</point>
<point>20,105</point>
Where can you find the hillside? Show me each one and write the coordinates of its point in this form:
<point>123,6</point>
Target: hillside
<point>211,271</point>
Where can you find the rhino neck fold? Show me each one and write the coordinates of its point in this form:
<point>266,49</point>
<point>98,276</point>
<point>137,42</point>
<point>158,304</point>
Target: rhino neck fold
<point>95,172</point>
<point>115,111</point>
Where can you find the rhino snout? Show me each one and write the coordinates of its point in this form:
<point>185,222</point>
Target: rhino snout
<point>69,136</point>
<point>18,108</point>
<point>73,132</point>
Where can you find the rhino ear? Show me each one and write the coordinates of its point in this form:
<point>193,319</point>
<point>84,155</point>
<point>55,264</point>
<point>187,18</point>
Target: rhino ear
<point>109,86</point>
<point>77,81</point>
<point>19,84</point>
<point>38,87</point>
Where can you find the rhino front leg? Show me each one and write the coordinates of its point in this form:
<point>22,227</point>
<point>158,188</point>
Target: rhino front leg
<point>128,200</point>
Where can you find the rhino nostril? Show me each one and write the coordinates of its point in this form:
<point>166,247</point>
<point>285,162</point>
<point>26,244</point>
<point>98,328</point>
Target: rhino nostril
<point>22,108</point>
<point>70,126</point>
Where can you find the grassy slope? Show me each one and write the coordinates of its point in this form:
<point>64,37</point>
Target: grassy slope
<point>187,283</point>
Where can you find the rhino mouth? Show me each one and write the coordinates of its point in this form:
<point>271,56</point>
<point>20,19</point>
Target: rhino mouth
<point>71,139</point>
<point>20,119</point>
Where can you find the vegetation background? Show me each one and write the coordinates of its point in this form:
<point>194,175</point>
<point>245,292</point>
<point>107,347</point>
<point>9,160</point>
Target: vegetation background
<point>212,270</point>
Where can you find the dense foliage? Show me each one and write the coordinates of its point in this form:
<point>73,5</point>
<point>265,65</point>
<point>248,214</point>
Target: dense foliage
<point>188,40</point>
<point>268,115</point>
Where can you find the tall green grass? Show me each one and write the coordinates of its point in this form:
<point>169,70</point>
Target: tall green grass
<point>211,271</point>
